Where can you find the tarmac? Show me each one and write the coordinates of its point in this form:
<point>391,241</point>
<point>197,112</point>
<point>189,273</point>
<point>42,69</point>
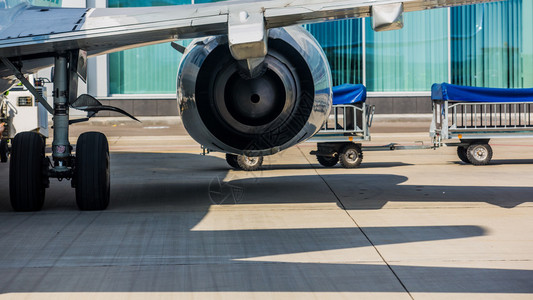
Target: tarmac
<point>412,224</point>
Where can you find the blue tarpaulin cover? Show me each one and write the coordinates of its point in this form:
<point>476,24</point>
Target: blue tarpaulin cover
<point>349,94</point>
<point>452,92</point>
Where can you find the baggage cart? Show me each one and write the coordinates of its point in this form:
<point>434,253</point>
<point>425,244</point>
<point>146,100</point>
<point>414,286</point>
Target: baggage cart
<point>348,125</point>
<point>475,115</point>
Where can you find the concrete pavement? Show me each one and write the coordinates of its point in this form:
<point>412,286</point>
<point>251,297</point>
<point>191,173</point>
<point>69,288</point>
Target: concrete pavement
<point>405,225</point>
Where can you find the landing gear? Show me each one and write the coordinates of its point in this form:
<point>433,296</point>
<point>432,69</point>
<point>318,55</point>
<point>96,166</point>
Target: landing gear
<point>4,150</point>
<point>246,163</point>
<point>28,172</point>
<point>91,171</point>
<point>88,170</point>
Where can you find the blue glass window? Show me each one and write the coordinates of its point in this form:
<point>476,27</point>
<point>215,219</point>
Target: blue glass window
<point>492,44</point>
<point>342,42</point>
<point>145,70</point>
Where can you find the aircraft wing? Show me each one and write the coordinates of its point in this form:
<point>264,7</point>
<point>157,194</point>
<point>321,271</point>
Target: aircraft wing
<point>28,32</point>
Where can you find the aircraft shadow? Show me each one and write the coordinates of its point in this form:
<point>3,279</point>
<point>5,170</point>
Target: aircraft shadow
<point>148,239</point>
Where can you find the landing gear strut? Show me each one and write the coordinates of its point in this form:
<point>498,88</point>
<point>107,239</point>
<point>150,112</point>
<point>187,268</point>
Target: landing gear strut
<point>30,169</point>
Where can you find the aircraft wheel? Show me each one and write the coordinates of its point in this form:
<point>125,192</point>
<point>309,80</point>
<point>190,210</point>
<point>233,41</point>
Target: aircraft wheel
<point>351,156</point>
<point>4,150</point>
<point>231,159</point>
<point>91,171</point>
<point>27,172</point>
<point>461,153</point>
<point>247,163</point>
<point>479,154</point>
<point>326,161</point>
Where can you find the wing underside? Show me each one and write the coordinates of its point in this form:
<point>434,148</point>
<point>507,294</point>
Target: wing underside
<point>36,32</point>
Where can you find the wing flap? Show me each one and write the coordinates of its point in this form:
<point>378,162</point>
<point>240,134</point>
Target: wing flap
<point>36,21</point>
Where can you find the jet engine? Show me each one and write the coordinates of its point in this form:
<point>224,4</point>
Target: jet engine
<point>226,109</point>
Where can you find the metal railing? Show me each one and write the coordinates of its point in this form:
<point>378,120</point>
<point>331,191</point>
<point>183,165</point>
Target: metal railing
<point>491,115</point>
<point>481,119</point>
<point>347,122</point>
<point>349,118</point>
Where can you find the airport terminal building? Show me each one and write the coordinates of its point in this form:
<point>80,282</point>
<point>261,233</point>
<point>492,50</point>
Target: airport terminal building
<point>486,45</point>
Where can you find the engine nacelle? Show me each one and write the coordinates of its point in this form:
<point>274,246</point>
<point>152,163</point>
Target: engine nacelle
<point>225,110</point>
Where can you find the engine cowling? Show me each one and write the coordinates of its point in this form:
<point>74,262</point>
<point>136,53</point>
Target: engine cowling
<point>225,110</point>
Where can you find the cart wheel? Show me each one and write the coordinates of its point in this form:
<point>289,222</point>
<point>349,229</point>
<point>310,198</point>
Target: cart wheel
<point>326,161</point>
<point>247,163</point>
<point>231,159</point>
<point>351,156</point>
<point>4,150</point>
<point>479,154</point>
<point>27,179</point>
<point>461,152</point>
<point>92,171</point>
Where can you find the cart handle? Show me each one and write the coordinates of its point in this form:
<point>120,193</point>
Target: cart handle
<point>370,109</point>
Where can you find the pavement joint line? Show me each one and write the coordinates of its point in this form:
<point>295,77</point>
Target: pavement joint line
<point>359,227</point>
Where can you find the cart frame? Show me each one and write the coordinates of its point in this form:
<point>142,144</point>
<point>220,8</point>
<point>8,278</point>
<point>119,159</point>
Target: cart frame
<point>481,120</point>
<point>340,141</point>
<point>351,129</point>
<point>475,123</point>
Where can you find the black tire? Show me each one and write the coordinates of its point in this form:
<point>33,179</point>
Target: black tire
<point>91,172</point>
<point>326,161</point>
<point>479,154</point>
<point>351,156</point>
<point>4,150</point>
<point>27,172</point>
<point>247,163</point>
<point>461,153</point>
<point>231,159</point>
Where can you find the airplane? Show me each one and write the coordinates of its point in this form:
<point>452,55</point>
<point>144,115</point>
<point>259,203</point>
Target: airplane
<point>251,82</point>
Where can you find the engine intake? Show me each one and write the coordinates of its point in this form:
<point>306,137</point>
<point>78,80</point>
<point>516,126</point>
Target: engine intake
<point>224,109</point>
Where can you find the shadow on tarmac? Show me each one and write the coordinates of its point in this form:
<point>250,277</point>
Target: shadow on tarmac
<point>147,242</point>
<point>497,162</point>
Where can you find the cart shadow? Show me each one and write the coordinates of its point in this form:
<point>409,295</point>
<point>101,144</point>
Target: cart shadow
<point>498,162</point>
<point>364,165</point>
<point>371,191</point>
<point>511,162</point>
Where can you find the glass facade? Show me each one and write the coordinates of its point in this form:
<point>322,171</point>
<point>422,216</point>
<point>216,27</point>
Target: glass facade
<point>144,70</point>
<point>491,44</point>
<point>342,42</point>
<point>410,59</point>
<point>486,45</point>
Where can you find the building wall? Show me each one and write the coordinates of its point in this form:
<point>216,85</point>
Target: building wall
<point>480,45</point>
